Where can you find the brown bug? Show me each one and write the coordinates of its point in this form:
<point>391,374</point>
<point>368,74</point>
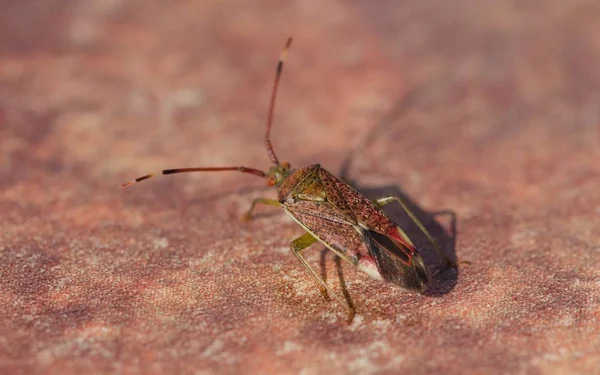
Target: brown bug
<point>334,214</point>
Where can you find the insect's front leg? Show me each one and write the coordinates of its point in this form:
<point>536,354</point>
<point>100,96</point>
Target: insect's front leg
<point>302,243</point>
<point>266,201</point>
<point>391,198</point>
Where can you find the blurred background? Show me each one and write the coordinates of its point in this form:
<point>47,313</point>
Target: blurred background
<point>489,109</point>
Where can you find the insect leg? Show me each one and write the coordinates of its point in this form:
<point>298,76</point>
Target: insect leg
<point>302,243</point>
<point>270,202</point>
<point>389,199</point>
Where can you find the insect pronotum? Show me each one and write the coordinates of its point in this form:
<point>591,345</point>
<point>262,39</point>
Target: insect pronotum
<point>334,214</point>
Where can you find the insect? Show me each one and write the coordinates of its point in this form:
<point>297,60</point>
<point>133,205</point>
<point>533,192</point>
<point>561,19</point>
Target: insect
<point>334,214</point>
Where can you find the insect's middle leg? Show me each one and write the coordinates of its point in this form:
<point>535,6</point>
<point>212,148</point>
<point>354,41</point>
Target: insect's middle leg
<point>266,201</point>
<point>303,242</point>
<point>391,198</point>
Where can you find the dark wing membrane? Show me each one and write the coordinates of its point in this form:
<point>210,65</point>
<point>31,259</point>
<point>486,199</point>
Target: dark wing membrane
<point>397,263</point>
<point>398,250</point>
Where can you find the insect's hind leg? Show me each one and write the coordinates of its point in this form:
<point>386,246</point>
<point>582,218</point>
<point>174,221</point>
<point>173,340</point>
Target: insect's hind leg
<point>391,198</point>
<point>303,242</point>
<point>266,201</point>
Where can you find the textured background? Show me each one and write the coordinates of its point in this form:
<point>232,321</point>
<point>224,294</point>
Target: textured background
<point>489,109</point>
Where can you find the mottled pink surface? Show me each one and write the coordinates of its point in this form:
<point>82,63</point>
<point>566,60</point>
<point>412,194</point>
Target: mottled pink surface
<point>502,127</point>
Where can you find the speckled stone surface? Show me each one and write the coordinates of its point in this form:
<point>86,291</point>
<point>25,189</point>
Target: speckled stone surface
<point>488,109</point>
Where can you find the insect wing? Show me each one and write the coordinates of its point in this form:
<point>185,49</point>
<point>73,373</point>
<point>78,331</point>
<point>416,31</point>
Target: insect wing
<point>337,235</point>
<point>396,262</point>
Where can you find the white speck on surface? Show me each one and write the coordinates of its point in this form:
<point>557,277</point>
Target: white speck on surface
<point>183,98</point>
<point>400,318</point>
<point>213,348</point>
<point>362,365</point>
<point>288,347</point>
<point>161,243</point>
<point>357,322</point>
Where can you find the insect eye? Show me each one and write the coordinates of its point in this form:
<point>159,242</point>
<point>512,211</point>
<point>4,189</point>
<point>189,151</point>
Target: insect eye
<point>271,180</point>
<point>286,165</point>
